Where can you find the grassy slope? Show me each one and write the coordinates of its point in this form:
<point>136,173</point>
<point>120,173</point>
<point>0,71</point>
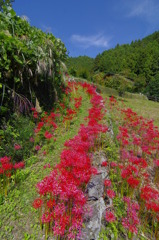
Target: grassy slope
<point>18,219</point>
<point>147,109</point>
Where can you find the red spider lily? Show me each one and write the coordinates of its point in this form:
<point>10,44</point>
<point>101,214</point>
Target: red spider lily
<point>110,217</point>
<point>5,159</point>
<point>37,203</point>
<point>47,166</point>
<point>90,90</point>
<point>17,147</point>
<point>133,182</point>
<point>104,164</point>
<point>35,115</point>
<point>64,209</point>
<point>139,145</point>
<point>6,170</point>
<point>51,203</point>
<point>1,170</point>
<point>131,222</point>
<point>7,166</point>
<point>19,165</point>
<point>148,193</point>
<point>33,109</point>
<point>110,193</point>
<point>37,147</point>
<point>112,100</point>
<point>70,112</point>
<point>44,153</point>
<point>107,183</point>
<point>48,135</point>
<point>113,164</point>
<point>128,171</point>
<point>54,124</point>
<point>77,144</point>
<point>140,162</point>
<point>40,125</point>
<point>78,102</point>
<point>31,139</point>
<point>8,174</point>
<point>46,217</point>
<point>156,162</point>
<point>136,141</point>
<point>36,130</point>
<point>153,206</point>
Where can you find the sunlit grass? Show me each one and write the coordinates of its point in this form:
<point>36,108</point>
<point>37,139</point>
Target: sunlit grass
<point>147,109</point>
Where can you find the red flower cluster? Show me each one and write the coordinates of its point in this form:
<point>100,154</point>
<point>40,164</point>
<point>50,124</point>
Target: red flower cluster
<point>47,135</point>
<point>17,147</point>
<point>63,188</point>
<point>110,217</point>
<point>78,102</point>
<point>139,144</point>
<point>131,221</point>
<point>7,168</point>
<point>35,113</point>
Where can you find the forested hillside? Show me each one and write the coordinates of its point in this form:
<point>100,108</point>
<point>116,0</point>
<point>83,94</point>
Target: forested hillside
<point>80,66</point>
<point>138,61</point>
<point>129,67</point>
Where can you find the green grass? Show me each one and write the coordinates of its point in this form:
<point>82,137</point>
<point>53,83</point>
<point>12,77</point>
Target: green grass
<point>146,108</point>
<point>18,219</point>
<point>138,103</point>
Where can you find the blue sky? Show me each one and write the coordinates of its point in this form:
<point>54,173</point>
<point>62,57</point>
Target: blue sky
<point>88,27</point>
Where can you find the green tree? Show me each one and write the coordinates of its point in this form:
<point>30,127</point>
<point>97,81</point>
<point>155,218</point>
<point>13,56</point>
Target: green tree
<point>138,62</point>
<point>139,83</point>
<point>73,71</point>
<point>83,73</point>
<point>80,64</point>
<point>5,3</point>
<point>152,89</point>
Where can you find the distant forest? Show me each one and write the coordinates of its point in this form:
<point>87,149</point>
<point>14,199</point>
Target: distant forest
<point>129,67</point>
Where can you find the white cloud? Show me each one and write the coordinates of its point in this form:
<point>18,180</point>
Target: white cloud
<point>98,40</point>
<point>147,9</point>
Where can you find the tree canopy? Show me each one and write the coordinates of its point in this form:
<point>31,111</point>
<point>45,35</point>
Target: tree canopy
<point>138,61</point>
<point>80,66</point>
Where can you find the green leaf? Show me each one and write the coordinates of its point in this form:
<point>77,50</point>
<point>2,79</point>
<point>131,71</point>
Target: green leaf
<point>16,79</point>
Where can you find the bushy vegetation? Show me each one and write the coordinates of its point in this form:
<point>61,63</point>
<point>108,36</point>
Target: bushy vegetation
<point>115,81</point>
<point>30,73</point>
<point>5,3</point>
<point>17,131</point>
<point>30,65</point>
